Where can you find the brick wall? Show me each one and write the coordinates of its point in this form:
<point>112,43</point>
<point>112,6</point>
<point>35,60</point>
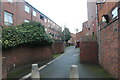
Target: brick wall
<point>78,36</point>
<point>119,39</point>
<point>109,42</point>
<point>88,50</point>
<point>58,47</point>
<point>25,55</point>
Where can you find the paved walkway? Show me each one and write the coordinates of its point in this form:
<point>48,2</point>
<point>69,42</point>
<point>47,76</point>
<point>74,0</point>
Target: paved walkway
<point>61,67</point>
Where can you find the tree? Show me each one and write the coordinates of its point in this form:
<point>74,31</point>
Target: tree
<point>76,30</point>
<point>66,35</point>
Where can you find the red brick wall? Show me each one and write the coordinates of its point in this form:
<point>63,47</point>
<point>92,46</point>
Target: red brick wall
<point>108,56</point>
<point>88,50</point>
<point>109,43</point>
<point>79,35</point>
<point>25,55</point>
<point>58,47</point>
<point>73,36</point>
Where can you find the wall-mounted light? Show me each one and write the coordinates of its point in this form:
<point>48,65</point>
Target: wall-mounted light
<point>105,18</point>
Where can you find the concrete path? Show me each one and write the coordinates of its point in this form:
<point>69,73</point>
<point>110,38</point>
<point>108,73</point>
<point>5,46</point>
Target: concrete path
<point>61,67</point>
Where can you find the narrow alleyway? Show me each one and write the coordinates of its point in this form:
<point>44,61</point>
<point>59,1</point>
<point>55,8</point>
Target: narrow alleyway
<point>61,67</point>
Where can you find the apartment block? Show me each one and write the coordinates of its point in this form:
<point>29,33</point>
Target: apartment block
<point>91,7</point>
<point>15,12</point>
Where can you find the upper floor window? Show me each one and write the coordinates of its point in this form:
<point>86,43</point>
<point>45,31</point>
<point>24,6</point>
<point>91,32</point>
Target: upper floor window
<point>48,20</point>
<point>42,17</point>
<point>115,13</point>
<point>26,20</point>
<point>10,1</point>
<point>8,18</point>
<point>27,9</point>
<point>45,20</point>
<point>34,13</point>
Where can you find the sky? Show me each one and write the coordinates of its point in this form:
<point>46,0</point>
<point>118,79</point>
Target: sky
<point>69,13</point>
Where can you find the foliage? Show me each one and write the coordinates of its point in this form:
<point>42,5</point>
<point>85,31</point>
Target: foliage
<point>66,34</point>
<point>31,33</point>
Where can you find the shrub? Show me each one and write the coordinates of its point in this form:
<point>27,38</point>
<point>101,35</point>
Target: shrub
<point>31,33</point>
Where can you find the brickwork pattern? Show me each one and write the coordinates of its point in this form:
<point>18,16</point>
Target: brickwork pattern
<point>58,47</point>
<point>88,51</point>
<point>25,55</point>
<point>109,56</point>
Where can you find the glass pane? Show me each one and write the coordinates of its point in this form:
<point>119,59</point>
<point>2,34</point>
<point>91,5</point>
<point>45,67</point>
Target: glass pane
<point>115,12</point>
<point>5,17</point>
<point>10,1</point>
<point>10,20</point>
<point>27,9</point>
<point>26,21</point>
<point>34,13</point>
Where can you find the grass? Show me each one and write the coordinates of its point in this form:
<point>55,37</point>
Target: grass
<point>24,70</point>
<point>56,55</point>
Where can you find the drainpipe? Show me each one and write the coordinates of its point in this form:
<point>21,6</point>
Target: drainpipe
<point>0,39</point>
<point>98,29</point>
<point>119,35</point>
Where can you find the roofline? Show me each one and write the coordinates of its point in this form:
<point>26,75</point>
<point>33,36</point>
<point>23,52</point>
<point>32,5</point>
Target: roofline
<point>40,12</point>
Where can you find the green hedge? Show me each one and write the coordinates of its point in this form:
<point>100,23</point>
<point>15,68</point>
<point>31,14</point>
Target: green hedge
<point>32,33</point>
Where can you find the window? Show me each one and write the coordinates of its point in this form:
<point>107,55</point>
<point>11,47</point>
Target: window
<point>27,9</point>
<point>42,17</point>
<point>10,1</point>
<point>8,18</point>
<point>26,20</point>
<point>48,20</point>
<point>115,13</point>
<point>51,22</point>
<point>45,20</point>
<point>34,13</point>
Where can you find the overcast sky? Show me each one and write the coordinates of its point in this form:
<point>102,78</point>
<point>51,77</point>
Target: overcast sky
<point>71,13</point>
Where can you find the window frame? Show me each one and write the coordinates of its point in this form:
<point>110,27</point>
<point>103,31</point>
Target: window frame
<point>34,13</point>
<point>9,16</point>
<point>26,7</point>
<point>115,11</point>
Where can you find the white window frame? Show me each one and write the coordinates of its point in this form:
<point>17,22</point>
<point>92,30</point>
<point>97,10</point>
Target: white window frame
<point>115,13</point>
<point>45,20</point>
<point>48,21</point>
<point>11,1</point>
<point>26,20</point>
<point>8,18</point>
<point>27,9</point>
<point>34,13</point>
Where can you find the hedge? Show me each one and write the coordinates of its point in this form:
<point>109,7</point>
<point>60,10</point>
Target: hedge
<point>32,33</point>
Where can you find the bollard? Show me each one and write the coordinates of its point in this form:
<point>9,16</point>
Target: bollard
<point>35,75</point>
<point>74,73</point>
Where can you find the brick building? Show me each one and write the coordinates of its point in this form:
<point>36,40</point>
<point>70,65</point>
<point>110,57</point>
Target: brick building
<point>86,29</point>
<point>109,24</point>
<point>78,36</point>
<point>91,7</point>
<point>72,40</point>
<point>15,12</point>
